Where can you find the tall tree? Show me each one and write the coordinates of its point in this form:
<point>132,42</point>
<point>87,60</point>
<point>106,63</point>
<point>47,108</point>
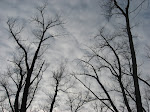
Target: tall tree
<point>114,55</point>
<point>29,64</point>
<point>125,12</point>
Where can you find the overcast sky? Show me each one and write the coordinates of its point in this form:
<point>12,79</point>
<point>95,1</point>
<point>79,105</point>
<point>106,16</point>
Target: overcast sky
<point>82,20</point>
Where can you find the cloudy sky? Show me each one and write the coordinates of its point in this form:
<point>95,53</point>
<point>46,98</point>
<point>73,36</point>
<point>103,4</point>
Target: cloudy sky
<point>82,19</point>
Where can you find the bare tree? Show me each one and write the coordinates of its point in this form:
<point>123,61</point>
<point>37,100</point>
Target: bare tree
<point>114,56</point>
<point>125,11</point>
<point>29,65</point>
<point>60,83</point>
<point>57,76</point>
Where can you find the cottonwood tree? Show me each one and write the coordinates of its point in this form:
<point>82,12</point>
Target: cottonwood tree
<point>113,55</point>
<point>21,82</point>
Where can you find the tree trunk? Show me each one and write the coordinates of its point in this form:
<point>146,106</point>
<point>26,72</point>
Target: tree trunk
<point>16,104</point>
<point>25,93</point>
<point>134,66</point>
<point>54,98</point>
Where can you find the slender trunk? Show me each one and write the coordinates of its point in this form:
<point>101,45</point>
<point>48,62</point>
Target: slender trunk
<point>54,98</point>
<point>124,96</point>
<point>7,93</point>
<point>16,104</point>
<point>120,81</point>
<point>134,66</point>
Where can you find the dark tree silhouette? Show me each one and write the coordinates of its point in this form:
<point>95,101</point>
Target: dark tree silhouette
<point>60,84</point>
<point>57,76</point>
<point>114,54</point>
<point>29,64</point>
